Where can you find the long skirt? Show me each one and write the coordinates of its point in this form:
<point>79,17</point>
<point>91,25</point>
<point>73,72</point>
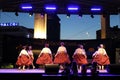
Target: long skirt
<point>45,58</point>
<point>101,59</point>
<point>31,60</point>
<point>80,59</point>
<point>62,58</point>
<point>23,60</point>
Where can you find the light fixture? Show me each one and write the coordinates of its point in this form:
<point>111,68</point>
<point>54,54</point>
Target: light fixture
<point>50,7</point>
<point>68,15</point>
<point>96,8</point>
<point>73,8</point>
<point>16,13</point>
<point>30,14</point>
<point>92,16</point>
<point>26,6</point>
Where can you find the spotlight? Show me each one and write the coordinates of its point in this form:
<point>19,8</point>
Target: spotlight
<point>50,7</point>
<point>26,6</point>
<point>16,13</point>
<point>73,8</point>
<point>95,8</point>
<point>92,16</point>
<point>30,14</point>
<point>68,15</point>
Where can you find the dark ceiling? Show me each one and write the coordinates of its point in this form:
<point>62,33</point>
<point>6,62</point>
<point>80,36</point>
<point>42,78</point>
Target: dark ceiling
<point>108,6</point>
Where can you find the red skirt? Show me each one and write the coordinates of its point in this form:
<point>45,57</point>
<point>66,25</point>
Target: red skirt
<point>18,61</point>
<point>23,60</point>
<point>31,60</point>
<point>62,58</point>
<point>80,59</point>
<point>101,59</point>
<point>45,58</point>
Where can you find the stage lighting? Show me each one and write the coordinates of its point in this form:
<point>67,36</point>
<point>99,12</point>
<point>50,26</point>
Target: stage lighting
<point>50,7</point>
<point>68,15</point>
<point>30,14</point>
<point>72,8</point>
<point>92,16</point>
<point>26,6</point>
<point>16,13</point>
<point>96,8</point>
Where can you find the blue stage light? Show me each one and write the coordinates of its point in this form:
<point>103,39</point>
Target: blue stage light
<point>95,9</point>
<point>73,8</point>
<point>50,7</point>
<point>26,6</point>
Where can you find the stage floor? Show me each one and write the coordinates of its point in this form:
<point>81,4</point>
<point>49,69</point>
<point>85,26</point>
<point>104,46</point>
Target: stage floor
<point>39,74</point>
<point>39,71</point>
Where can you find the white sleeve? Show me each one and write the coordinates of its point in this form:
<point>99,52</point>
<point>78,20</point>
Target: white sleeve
<point>95,53</point>
<point>104,52</point>
<point>50,51</point>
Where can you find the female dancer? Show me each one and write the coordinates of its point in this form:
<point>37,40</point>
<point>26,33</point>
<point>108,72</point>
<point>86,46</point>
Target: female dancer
<point>62,57</point>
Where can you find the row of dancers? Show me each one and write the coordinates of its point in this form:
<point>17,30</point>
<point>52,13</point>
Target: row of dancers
<point>61,57</point>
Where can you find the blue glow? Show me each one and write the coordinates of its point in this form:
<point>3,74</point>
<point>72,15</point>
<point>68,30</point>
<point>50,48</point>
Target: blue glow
<point>26,6</point>
<point>95,9</point>
<point>50,7</point>
<point>73,8</point>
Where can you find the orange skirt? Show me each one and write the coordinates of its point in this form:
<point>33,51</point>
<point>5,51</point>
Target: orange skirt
<point>62,58</point>
<point>101,59</point>
<point>80,59</point>
<point>30,60</point>
<point>18,61</point>
<point>23,60</point>
<point>45,58</point>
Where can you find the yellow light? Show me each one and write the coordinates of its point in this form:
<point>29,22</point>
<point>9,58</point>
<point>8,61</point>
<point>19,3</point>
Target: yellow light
<point>40,26</point>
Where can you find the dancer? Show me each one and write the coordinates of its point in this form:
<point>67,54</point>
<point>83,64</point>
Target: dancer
<point>79,56</point>
<point>45,56</point>
<point>62,57</point>
<point>23,59</point>
<point>31,56</point>
<point>101,57</point>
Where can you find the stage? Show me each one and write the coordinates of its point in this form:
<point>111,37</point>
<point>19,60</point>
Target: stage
<point>30,74</point>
